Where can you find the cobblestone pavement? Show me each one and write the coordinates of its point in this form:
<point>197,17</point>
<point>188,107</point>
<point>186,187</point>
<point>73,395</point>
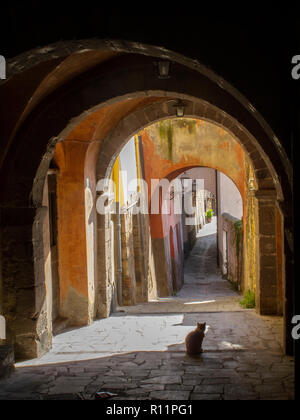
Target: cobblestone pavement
<point>140,353</point>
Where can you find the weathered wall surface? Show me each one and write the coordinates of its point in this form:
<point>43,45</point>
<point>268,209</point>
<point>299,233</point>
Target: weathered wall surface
<point>25,139</point>
<point>74,289</point>
<point>250,245</point>
<point>52,206</point>
<point>106,287</point>
<point>230,203</point>
<point>173,145</point>
<point>208,175</point>
<point>141,257</point>
<point>234,257</point>
<point>280,259</point>
<point>128,261</point>
<point>48,302</point>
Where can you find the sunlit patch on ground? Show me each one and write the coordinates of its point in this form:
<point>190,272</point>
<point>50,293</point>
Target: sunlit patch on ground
<point>140,353</point>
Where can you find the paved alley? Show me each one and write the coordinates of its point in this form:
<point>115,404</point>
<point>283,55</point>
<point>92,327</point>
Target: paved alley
<point>139,352</point>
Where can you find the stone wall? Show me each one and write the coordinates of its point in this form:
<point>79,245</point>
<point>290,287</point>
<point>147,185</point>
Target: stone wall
<point>19,305</point>
<point>75,289</point>
<point>128,261</point>
<point>234,269</point>
<point>7,361</point>
<point>141,257</point>
<point>39,114</point>
<point>191,224</point>
<point>230,201</point>
<point>105,287</point>
<point>250,237</point>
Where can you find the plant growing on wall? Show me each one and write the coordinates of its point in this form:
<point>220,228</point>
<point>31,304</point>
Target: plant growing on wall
<point>238,228</point>
<point>166,131</point>
<point>209,215</point>
<point>185,123</point>
<point>248,301</point>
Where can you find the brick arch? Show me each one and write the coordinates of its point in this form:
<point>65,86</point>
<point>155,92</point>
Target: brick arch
<point>170,176</point>
<point>32,58</point>
<point>157,222</point>
<point>264,202</point>
<point>265,175</point>
<point>178,172</point>
<point>53,119</point>
<point>90,92</point>
<point>112,146</point>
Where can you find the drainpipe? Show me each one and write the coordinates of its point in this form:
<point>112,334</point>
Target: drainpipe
<point>217,212</point>
<point>118,232</point>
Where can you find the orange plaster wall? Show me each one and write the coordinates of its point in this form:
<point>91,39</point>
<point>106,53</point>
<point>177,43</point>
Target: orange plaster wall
<point>71,212</point>
<point>77,159</point>
<point>230,161</point>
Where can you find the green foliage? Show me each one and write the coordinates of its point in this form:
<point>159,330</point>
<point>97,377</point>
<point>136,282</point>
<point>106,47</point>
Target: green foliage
<point>167,127</point>
<point>248,300</point>
<point>238,228</point>
<point>185,123</point>
<point>192,126</point>
<point>209,214</point>
<point>166,132</point>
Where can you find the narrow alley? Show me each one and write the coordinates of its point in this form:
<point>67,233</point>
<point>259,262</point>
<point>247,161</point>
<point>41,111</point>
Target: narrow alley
<point>147,186</point>
<point>139,352</point>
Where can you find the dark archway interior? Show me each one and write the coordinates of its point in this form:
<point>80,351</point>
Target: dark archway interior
<point>66,111</point>
<point>263,52</point>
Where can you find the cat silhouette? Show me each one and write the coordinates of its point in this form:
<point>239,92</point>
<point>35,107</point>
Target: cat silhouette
<point>194,340</point>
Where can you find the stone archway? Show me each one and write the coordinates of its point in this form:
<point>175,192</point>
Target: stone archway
<point>108,87</point>
<point>262,199</point>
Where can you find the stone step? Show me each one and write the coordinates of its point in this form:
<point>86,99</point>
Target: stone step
<point>7,360</point>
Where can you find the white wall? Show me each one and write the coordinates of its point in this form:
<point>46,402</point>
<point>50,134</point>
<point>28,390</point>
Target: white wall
<point>128,164</point>
<point>230,200</point>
